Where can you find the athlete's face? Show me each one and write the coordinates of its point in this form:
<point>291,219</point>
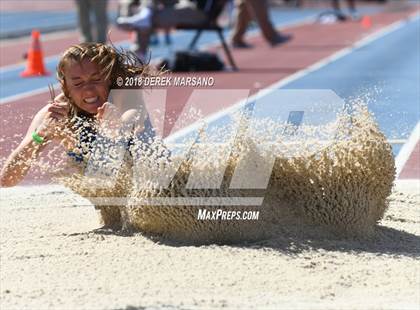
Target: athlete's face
<point>86,86</point>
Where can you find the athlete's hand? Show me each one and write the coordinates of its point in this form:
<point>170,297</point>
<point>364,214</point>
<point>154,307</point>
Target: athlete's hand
<point>54,121</point>
<point>109,119</point>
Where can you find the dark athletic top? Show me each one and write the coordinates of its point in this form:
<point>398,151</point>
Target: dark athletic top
<point>88,137</point>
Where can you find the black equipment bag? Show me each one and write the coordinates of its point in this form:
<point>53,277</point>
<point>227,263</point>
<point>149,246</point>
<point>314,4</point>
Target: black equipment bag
<point>186,61</point>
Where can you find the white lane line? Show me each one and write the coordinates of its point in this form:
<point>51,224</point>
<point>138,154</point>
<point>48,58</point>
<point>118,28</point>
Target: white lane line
<point>27,94</point>
<point>397,141</point>
<point>300,74</point>
<point>407,149</point>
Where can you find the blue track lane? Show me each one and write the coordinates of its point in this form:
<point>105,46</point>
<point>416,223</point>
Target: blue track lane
<point>385,73</point>
<point>15,23</point>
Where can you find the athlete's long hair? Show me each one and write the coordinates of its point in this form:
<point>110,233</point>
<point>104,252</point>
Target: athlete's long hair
<point>113,62</point>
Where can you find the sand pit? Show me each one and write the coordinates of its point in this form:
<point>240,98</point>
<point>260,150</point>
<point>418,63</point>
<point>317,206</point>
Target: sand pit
<point>338,185</point>
<point>52,258</point>
<point>330,236</point>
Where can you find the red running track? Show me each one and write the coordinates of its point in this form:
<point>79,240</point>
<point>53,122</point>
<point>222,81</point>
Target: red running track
<point>411,169</point>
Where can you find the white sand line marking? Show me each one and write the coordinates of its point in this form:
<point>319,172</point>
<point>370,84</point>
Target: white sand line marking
<point>34,189</point>
<point>287,143</point>
<point>408,185</point>
<point>407,149</point>
<point>177,201</point>
<point>291,78</point>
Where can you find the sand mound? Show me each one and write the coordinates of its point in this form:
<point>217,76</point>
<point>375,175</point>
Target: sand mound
<point>340,185</point>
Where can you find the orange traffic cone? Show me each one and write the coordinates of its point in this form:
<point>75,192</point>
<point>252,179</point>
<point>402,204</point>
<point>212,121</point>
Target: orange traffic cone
<point>35,63</point>
<point>366,22</point>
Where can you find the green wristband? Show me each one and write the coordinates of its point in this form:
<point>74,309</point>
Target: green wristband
<point>37,138</point>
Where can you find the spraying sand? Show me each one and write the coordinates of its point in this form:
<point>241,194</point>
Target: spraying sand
<point>340,187</point>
